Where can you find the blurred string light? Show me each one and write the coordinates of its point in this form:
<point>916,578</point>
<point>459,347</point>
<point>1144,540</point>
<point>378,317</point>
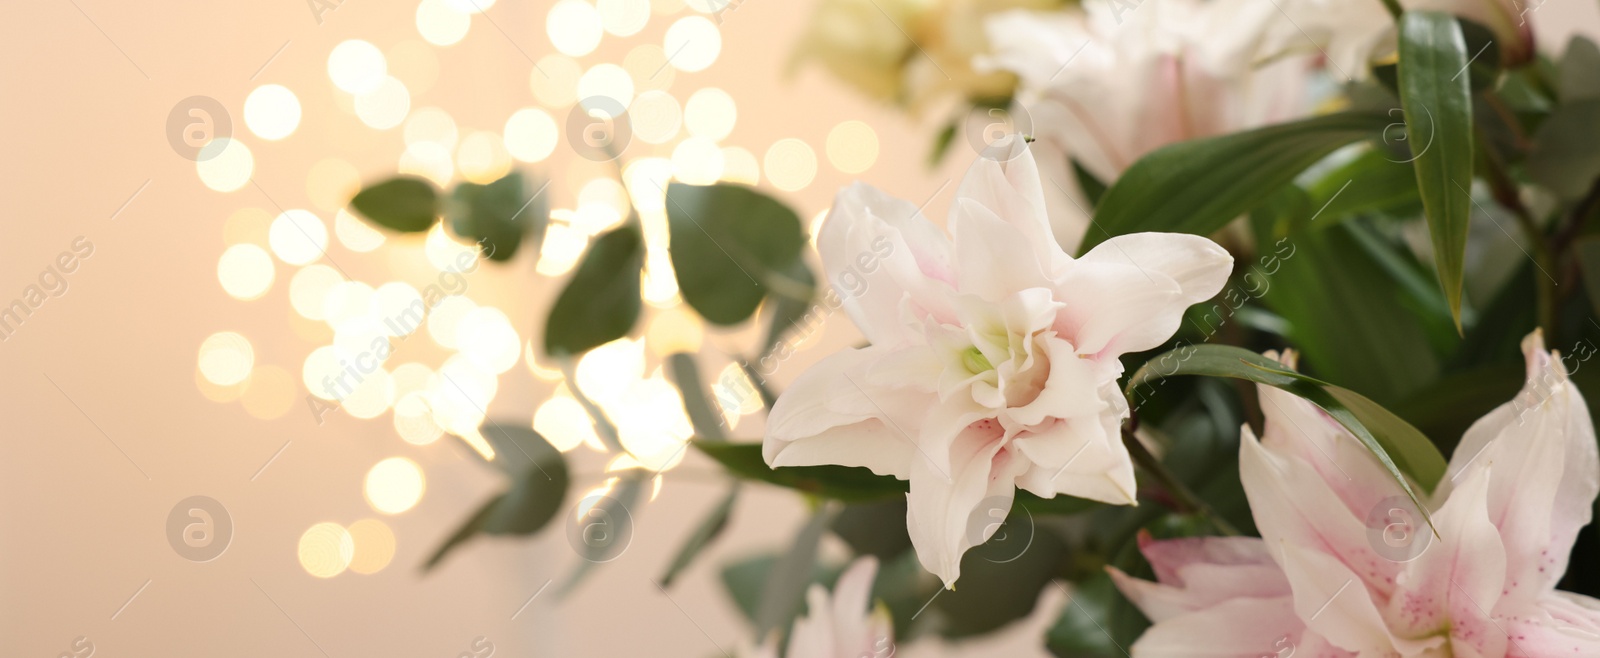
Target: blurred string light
<point>446,22</point>
<point>326,550</point>
<point>394,485</point>
<point>790,164</point>
<point>226,358</point>
<point>357,67</point>
<point>245,271</point>
<point>683,135</point>
<point>852,147</point>
<point>272,112</point>
<point>574,27</point>
<point>225,164</point>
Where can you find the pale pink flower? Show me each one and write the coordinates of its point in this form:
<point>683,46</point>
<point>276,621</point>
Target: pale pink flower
<point>846,626</point>
<point>993,361</point>
<point>1346,569</point>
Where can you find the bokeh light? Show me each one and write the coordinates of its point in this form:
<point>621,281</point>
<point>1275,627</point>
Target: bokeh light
<point>385,106</point>
<point>355,234</point>
<point>531,134</point>
<point>562,421</point>
<point>310,287</point>
<point>697,161</point>
<point>852,147</point>
<point>246,271</point>
<point>272,112</point>
<point>656,117</point>
<point>226,358</point>
<point>326,550</point>
<point>394,485</point>
<point>298,237</point>
<point>710,113</point>
<point>483,157</point>
<point>790,164</point>
<point>739,165</point>
<point>574,27</point>
<point>554,80</point>
<point>357,66</point>
<point>431,124</point>
<point>225,164</point>
<point>692,43</point>
<point>623,18</point>
<point>605,81</point>
<point>486,337</point>
<point>442,24</point>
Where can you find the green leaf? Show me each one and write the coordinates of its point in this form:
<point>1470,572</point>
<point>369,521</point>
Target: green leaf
<point>1580,70</point>
<point>518,448</point>
<point>787,312</point>
<point>614,510</point>
<point>851,484</point>
<point>1588,250</point>
<point>497,215</point>
<point>843,483</point>
<point>876,528</point>
<point>1401,449</point>
<point>746,578</point>
<point>538,487</point>
<point>785,590</point>
<point>1565,156</point>
<point>1372,182</point>
<point>1096,622</point>
<point>1436,93</point>
<point>1198,186</point>
<point>405,203</point>
<point>1390,352</point>
<point>1093,188</point>
<point>601,302</point>
<point>709,529</point>
<point>704,415</point>
<point>1000,579</point>
<point>730,246</point>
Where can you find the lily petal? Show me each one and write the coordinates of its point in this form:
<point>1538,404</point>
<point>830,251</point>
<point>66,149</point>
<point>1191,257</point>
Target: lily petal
<point>941,506</point>
<point>1541,493</point>
<point>816,422</point>
<point>1452,586</point>
<point>1238,628</point>
<point>877,251</point>
<point>1128,294</point>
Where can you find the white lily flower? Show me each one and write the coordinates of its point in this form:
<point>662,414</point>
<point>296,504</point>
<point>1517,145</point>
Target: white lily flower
<point>1346,569</point>
<point>847,626</point>
<point>1108,84</point>
<point>994,356</point>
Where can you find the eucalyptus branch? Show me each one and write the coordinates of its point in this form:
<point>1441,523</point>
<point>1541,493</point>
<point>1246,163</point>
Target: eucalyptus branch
<point>1185,496</point>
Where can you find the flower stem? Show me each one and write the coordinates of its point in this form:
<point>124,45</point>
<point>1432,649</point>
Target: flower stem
<point>1176,488</point>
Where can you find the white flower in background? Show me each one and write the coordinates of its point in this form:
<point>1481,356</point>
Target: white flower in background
<point>1345,570</point>
<point>1354,34</point>
<point>848,626</point>
<point>1108,84</point>
<point>993,361</point>
<point>908,51</point>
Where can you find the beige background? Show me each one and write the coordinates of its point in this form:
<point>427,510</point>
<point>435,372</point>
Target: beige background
<point>90,470</point>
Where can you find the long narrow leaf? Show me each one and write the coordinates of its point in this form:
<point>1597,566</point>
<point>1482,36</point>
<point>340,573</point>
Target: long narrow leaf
<point>1391,440</point>
<point>1436,93</point>
<point>1200,185</point>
